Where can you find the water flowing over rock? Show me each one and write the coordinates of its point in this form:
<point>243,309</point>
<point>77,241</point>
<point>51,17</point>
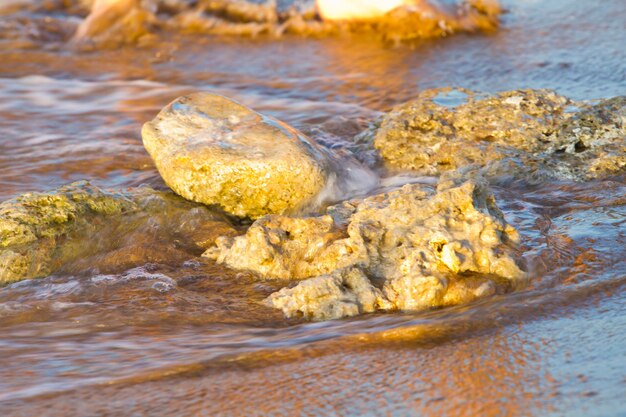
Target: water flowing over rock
<point>521,133</point>
<point>43,232</point>
<point>215,151</point>
<point>421,247</point>
<point>30,225</point>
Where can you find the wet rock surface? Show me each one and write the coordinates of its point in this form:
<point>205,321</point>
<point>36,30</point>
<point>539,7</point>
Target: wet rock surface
<point>215,151</point>
<point>79,225</point>
<point>413,20</point>
<point>112,23</point>
<point>32,224</point>
<point>592,143</point>
<point>523,133</point>
<point>422,247</point>
<point>343,293</point>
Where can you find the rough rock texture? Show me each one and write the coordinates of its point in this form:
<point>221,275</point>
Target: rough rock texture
<point>32,224</point>
<point>215,151</point>
<point>343,293</point>
<point>593,141</point>
<point>527,133</point>
<point>421,247</point>
<point>42,232</point>
<point>432,135</point>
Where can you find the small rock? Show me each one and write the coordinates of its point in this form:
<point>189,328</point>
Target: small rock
<point>524,134</point>
<point>343,293</point>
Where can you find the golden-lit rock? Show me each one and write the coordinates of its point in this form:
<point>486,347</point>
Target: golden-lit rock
<point>522,133</point>
<point>215,151</point>
<point>114,22</point>
<point>444,129</point>
<point>343,293</point>
<point>80,227</point>
<point>416,244</point>
<point>32,224</point>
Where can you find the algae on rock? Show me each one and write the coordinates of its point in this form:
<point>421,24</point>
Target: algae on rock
<point>32,224</point>
<point>419,246</point>
<point>87,227</point>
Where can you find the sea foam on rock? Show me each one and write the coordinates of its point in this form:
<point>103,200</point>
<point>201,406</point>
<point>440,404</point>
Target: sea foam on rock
<point>420,247</point>
<point>215,151</point>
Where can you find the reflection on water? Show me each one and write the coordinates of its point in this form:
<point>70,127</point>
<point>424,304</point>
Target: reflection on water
<point>118,333</point>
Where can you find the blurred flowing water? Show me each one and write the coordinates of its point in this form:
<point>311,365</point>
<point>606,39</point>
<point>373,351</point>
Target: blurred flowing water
<point>183,336</point>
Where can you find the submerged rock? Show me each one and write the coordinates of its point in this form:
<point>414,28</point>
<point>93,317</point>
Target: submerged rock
<point>527,133</point>
<point>80,227</point>
<point>32,224</point>
<point>416,244</point>
<point>213,150</point>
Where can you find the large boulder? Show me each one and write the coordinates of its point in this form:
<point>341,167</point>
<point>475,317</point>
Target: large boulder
<point>215,151</point>
<point>421,247</point>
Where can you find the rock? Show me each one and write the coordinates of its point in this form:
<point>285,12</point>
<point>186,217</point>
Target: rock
<point>391,20</point>
<point>425,19</point>
<point>112,23</point>
<point>215,151</point>
<point>529,134</point>
<point>32,224</point>
<point>34,216</point>
<point>592,143</point>
<point>79,227</point>
<point>281,247</point>
<point>343,293</point>
<point>420,246</point>
<point>445,129</point>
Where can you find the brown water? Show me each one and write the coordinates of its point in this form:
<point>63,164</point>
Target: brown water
<point>178,335</point>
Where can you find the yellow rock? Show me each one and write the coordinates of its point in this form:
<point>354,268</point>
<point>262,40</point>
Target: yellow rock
<point>215,151</point>
<point>420,247</point>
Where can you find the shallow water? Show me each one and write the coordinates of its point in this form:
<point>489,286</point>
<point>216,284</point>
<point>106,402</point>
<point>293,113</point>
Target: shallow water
<point>179,333</point>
